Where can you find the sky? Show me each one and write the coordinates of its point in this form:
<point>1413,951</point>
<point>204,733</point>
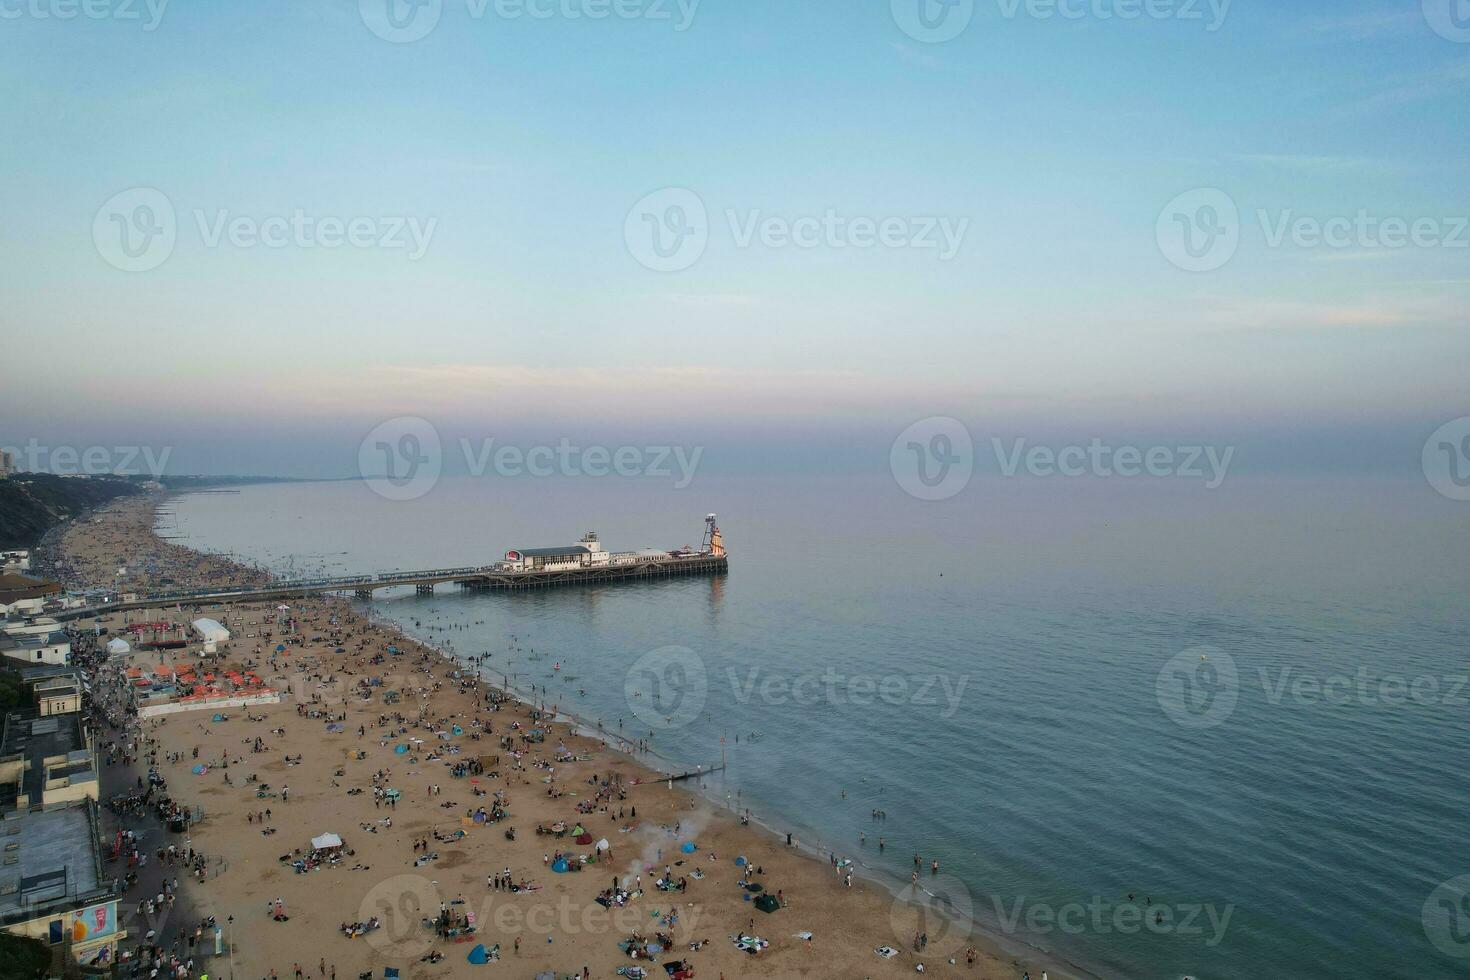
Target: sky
<point>757,226</point>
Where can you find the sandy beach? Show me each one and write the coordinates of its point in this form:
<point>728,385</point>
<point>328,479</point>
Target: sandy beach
<point>426,791</point>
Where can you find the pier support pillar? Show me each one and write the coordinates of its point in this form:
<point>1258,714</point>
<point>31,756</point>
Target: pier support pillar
<point>424,589</point>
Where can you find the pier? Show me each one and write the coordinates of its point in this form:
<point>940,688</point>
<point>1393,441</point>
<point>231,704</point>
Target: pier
<point>491,577</point>
<point>584,563</point>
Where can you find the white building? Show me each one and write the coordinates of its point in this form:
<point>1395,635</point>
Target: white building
<point>31,626</point>
<point>23,595</point>
<point>586,553</point>
<point>212,633</point>
<point>31,648</point>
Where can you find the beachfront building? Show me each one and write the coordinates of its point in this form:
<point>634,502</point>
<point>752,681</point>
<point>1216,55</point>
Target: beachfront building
<point>58,696</point>
<point>21,595</point>
<point>46,761</point>
<point>52,885</point>
<point>15,562</point>
<point>37,648</point>
<point>585,553</point>
<point>30,625</point>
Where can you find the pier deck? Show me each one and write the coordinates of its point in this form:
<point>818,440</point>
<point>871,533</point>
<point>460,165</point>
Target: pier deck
<point>363,586</point>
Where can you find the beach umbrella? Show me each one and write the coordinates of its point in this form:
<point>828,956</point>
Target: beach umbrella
<point>583,839</point>
<point>603,845</point>
<point>392,794</point>
<point>280,648</point>
<point>559,866</point>
<point>740,861</point>
<point>688,847</point>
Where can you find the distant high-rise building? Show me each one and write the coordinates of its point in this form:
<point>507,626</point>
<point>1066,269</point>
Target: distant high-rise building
<point>7,465</point>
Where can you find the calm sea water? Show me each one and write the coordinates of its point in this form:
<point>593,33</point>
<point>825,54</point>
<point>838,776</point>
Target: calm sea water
<point>1013,676</point>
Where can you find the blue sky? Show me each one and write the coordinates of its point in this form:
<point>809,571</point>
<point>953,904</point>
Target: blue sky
<point>1056,144</point>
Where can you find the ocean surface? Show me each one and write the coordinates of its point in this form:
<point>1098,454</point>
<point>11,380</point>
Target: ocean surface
<point>1244,707</point>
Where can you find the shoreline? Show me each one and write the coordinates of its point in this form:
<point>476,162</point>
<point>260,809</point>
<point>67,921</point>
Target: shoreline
<point>997,957</point>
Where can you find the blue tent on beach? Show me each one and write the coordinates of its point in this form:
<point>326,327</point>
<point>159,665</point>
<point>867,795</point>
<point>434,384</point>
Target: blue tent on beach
<point>479,956</point>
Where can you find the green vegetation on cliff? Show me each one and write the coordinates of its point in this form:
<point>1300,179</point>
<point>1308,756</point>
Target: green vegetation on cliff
<point>33,503</point>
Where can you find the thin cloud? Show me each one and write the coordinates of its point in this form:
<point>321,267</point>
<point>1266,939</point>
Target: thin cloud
<point>1407,89</point>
